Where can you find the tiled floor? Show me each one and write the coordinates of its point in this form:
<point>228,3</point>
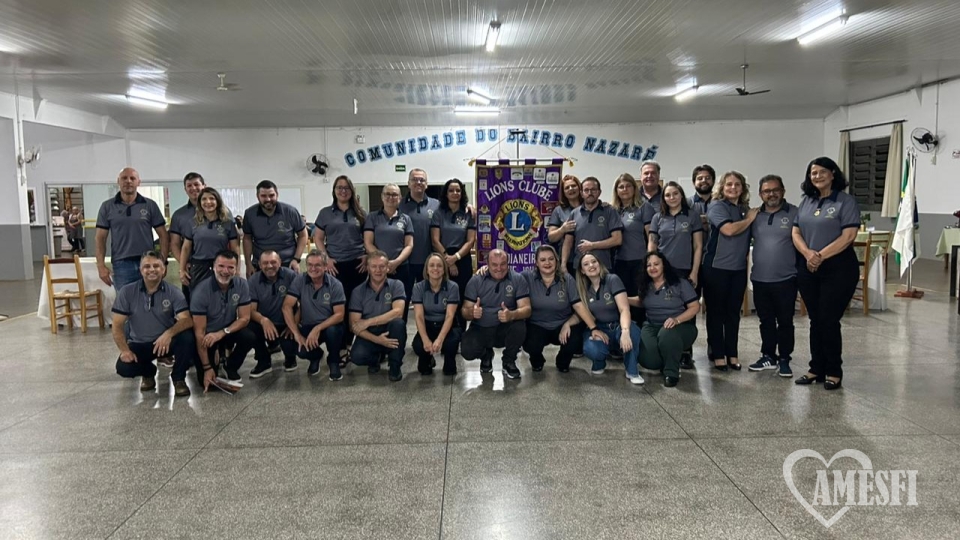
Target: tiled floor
<point>83,454</point>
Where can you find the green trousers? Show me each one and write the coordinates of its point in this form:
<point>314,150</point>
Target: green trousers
<point>660,348</point>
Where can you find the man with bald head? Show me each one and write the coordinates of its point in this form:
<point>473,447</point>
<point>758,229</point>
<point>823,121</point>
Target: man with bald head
<point>129,219</point>
<point>496,303</point>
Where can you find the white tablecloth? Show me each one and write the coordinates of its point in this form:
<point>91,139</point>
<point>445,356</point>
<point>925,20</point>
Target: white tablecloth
<point>91,281</point>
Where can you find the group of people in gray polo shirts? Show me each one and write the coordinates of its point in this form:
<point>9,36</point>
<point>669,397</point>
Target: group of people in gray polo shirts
<point>353,294</point>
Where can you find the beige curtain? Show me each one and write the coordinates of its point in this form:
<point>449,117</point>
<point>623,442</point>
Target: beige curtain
<point>894,179</point>
<point>843,159</point>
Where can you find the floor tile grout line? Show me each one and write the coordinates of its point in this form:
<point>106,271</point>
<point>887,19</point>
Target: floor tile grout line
<point>446,455</point>
<point>717,465</point>
<point>193,457</point>
<point>52,405</point>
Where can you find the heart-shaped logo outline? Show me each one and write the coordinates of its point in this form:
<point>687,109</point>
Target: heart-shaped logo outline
<point>796,456</point>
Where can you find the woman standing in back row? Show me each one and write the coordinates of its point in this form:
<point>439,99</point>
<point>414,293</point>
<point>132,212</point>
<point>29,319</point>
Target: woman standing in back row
<point>453,233</point>
<point>823,232</point>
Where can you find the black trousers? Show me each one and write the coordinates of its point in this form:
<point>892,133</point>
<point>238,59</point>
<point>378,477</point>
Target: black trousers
<point>331,335</point>
<point>629,273</point>
<point>199,270</point>
<point>261,347</point>
<point>367,353</point>
<point>723,292</point>
<point>464,273</point>
<point>826,293</point>
<point>351,278</point>
<point>539,337</point>
<point>241,341</point>
<point>449,347</point>
<point>776,303</point>
<point>478,340</point>
<point>184,349</point>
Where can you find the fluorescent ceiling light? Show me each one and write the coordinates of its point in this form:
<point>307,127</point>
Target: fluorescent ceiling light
<point>475,110</point>
<point>823,30</point>
<point>493,34</point>
<point>478,97</point>
<point>687,94</point>
<point>147,102</point>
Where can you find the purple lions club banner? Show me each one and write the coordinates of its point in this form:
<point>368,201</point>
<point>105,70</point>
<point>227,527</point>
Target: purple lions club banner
<point>514,201</point>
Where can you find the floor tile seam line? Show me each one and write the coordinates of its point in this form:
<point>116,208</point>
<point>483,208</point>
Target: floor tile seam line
<point>944,437</point>
<point>808,436</point>
<point>891,411</point>
<point>154,494</point>
<point>739,489</point>
<point>446,442</point>
<point>187,462</point>
<point>52,405</point>
<point>242,409</point>
<point>446,457</point>
<point>666,412</point>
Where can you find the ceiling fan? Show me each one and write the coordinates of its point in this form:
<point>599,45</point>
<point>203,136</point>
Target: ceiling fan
<point>742,91</point>
<point>225,86</point>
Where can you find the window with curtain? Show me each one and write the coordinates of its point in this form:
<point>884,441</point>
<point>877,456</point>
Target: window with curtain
<point>868,164</point>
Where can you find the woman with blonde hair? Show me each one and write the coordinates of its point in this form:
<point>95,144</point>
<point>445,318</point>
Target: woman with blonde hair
<point>725,267</point>
<point>435,303</point>
<point>636,214</point>
<point>212,231</point>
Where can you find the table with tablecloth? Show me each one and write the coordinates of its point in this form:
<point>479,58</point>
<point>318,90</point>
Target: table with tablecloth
<point>947,247</point>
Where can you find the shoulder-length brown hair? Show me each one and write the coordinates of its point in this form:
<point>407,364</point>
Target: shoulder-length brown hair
<point>200,215</point>
<point>564,202</point>
<point>626,178</point>
<point>744,201</point>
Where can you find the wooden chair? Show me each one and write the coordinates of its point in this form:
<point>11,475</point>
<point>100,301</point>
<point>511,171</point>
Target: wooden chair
<point>65,299</point>
<point>863,290</point>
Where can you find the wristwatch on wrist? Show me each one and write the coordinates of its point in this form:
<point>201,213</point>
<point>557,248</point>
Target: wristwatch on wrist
<point>226,330</point>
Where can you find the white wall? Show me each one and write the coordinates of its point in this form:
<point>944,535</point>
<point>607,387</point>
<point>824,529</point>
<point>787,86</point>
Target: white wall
<point>243,157</point>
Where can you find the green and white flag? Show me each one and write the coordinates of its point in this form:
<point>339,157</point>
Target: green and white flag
<point>904,239</point>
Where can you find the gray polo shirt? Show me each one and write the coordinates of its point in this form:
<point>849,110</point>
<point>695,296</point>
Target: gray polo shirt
<point>559,216</point>
<point>149,315</point>
<point>668,301</point>
<point>435,303</point>
<point>220,307</point>
<point>343,233</point>
<point>602,302</point>
<point>492,293</point>
<point>421,214</point>
<point>726,252</point>
<point>185,218</point>
<point>821,221</point>
<point>277,232</point>
<point>269,296</point>
<point>389,233</point>
<point>634,247</point>
<point>316,304</point>
<point>553,305</point>
<point>774,256</point>
<point>595,225</point>
<point>131,226</point>
<point>370,303</point>
<point>210,238</point>
<point>453,227</point>
<point>655,200</point>
<point>675,237</point>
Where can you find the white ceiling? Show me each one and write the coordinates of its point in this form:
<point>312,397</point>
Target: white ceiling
<point>408,62</point>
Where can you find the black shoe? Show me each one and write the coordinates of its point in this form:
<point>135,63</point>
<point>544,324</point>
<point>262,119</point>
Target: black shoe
<point>670,382</point>
<point>537,367</point>
<point>290,364</point>
<point>510,370</point>
<point>233,375</point>
<point>806,379</point>
<point>395,374</point>
<point>831,385</point>
<point>719,367</point>
<point>686,361</point>
<point>261,369</point>
<point>486,362</point>
<point>563,369</point>
<point>425,365</point>
<point>373,368</point>
<point>335,374</point>
<point>735,367</point>
<point>314,367</point>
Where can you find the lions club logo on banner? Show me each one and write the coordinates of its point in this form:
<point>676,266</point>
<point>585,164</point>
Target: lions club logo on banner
<point>518,222</point>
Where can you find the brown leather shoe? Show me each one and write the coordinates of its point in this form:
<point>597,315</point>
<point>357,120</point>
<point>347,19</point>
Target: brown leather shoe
<point>147,384</point>
<point>180,389</point>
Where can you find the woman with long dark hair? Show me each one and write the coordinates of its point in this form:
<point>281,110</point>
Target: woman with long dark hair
<point>561,219</point>
<point>823,232</point>
<point>338,234</point>
<point>671,326</point>
<point>725,267</point>
<point>676,232</point>
<point>453,232</point>
<point>212,231</point>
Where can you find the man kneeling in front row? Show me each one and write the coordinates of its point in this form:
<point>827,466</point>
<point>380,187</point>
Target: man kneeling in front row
<point>321,300</point>
<point>160,324</point>
<point>268,290</point>
<point>376,318</point>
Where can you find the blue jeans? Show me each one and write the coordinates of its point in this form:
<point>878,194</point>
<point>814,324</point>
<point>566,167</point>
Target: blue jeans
<point>125,271</point>
<point>597,351</point>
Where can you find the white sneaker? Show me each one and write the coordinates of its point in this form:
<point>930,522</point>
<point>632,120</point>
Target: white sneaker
<point>598,371</point>
<point>635,380</point>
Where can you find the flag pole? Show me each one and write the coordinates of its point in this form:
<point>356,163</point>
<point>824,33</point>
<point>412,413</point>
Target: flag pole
<point>910,292</point>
